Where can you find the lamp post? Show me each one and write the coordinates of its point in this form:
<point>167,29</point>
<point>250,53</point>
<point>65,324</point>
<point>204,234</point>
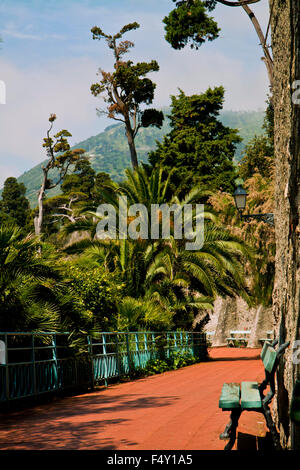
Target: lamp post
<point>240,196</point>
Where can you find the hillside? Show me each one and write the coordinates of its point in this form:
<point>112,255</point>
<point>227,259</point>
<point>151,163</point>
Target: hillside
<point>108,151</point>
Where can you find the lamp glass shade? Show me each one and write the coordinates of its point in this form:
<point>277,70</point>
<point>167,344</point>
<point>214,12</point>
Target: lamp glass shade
<point>240,196</point>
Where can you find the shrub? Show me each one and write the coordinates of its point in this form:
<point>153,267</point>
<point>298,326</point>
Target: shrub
<point>176,360</point>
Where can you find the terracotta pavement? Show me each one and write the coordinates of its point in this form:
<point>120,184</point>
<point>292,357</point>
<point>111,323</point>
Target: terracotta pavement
<point>174,410</point>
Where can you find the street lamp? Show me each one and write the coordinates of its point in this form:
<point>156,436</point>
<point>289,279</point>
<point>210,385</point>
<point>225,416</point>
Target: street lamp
<point>240,196</point>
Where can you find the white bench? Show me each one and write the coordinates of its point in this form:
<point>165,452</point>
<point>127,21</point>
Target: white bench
<point>269,336</point>
<point>238,337</point>
<point>209,336</point>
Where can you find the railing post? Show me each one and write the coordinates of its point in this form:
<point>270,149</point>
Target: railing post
<point>105,358</point>
<point>137,348</point>
<point>146,348</point>
<point>6,368</point>
<point>128,352</point>
<point>168,345</point>
<point>153,345</point>
<point>54,357</point>
<point>90,350</point>
<point>118,355</point>
<point>33,364</point>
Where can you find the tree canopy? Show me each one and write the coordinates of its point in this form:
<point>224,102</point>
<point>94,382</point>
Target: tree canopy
<point>199,149</point>
<point>14,206</point>
<point>190,23</point>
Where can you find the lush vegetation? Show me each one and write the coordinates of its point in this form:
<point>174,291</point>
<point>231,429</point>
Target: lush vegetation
<point>176,360</point>
<point>66,277</point>
<point>80,283</point>
<point>256,168</point>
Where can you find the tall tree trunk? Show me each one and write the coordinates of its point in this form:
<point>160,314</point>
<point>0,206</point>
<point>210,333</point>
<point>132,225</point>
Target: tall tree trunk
<point>38,220</point>
<point>286,297</point>
<point>131,144</point>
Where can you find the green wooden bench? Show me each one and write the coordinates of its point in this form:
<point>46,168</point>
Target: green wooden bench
<point>249,396</point>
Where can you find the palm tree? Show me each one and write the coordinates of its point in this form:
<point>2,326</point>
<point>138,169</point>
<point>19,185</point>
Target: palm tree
<point>34,296</point>
<point>162,272</point>
<point>22,274</point>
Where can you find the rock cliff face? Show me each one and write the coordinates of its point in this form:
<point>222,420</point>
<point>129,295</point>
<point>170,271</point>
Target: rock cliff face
<point>234,314</point>
<point>285,27</point>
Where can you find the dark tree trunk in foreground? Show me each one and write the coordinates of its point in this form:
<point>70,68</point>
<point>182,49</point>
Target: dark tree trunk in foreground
<point>286,302</point>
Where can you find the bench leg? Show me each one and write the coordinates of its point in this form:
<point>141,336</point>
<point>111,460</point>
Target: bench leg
<point>230,430</point>
<point>272,427</point>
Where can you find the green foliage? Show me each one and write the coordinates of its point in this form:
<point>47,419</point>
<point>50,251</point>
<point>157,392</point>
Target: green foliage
<point>60,156</point>
<point>166,285</point>
<point>26,281</point>
<point>39,294</point>
<point>156,366</point>
<point>14,206</point>
<point>190,23</point>
<point>199,150</point>
<point>97,294</point>
<point>142,313</point>
<point>102,180</point>
<point>258,158</point>
<point>257,170</point>
<point>81,180</point>
<point>176,360</point>
<point>51,225</point>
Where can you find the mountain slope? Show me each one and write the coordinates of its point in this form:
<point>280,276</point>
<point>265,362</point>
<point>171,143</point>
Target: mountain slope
<point>108,151</point>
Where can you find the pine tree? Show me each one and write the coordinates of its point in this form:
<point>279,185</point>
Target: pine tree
<point>14,207</point>
<point>199,149</point>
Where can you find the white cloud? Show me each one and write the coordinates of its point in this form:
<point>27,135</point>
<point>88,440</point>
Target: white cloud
<point>33,37</point>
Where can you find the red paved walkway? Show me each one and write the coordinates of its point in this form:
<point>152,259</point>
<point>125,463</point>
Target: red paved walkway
<point>174,410</point>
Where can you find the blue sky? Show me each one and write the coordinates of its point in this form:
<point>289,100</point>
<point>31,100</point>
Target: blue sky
<point>48,61</point>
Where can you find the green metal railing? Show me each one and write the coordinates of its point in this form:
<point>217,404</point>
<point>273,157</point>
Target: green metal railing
<point>37,363</point>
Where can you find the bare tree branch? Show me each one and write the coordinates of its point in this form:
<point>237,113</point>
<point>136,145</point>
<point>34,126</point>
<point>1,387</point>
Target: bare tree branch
<point>267,56</point>
<point>237,4</point>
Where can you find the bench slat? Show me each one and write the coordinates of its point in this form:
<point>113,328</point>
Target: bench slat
<point>230,396</point>
<point>250,397</point>
<point>269,357</point>
<point>264,350</point>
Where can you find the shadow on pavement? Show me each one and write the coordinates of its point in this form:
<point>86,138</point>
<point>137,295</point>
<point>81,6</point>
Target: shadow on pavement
<point>73,423</point>
<point>231,359</point>
<point>252,442</point>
